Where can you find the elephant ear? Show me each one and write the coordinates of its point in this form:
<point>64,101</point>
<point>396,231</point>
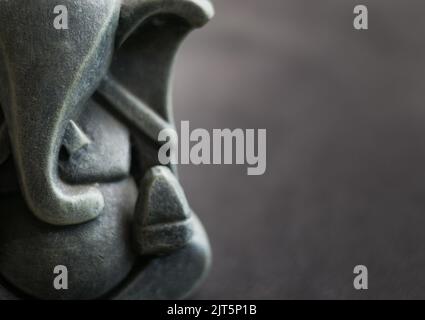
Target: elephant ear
<point>138,84</point>
<point>148,37</point>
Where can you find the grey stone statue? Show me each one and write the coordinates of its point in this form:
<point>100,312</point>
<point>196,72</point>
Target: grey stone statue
<point>80,181</point>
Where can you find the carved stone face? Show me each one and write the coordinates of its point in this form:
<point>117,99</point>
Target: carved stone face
<point>47,75</point>
<point>51,82</point>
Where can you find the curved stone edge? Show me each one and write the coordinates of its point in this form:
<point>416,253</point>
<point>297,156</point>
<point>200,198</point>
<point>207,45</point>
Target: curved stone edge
<point>173,276</point>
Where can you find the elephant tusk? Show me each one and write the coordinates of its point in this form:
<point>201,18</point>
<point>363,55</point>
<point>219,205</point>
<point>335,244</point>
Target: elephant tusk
<point>132,108</point>
<point>75,139</point>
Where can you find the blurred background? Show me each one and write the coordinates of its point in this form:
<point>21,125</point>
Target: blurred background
<point>345,117</point>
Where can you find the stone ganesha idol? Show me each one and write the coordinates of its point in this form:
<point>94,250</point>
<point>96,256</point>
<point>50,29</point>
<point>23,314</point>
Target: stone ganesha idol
<point>80,182</point>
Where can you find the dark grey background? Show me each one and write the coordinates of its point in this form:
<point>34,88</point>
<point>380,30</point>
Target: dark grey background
<point>345,114</point>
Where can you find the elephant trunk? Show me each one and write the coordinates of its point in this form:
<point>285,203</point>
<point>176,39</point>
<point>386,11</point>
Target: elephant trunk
<point>46,76</point>
<point>36,151</point>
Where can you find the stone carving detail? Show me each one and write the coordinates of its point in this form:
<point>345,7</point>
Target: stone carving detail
<point>80,182</point>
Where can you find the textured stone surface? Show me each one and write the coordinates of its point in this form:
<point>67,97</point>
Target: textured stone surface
<point>46,76</point>
<point>97,254</point>
<point>173,276</point>
<point>79,138</point>
<point>107,156</point>
<point>163,219</point>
